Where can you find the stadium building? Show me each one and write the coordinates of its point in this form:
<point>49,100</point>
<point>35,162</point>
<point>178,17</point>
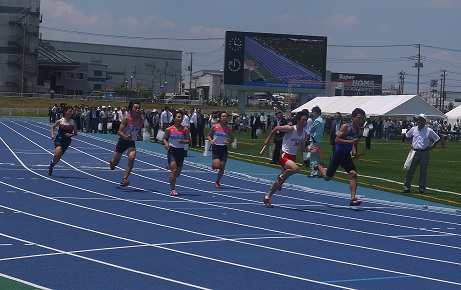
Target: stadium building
<point>29,64</point>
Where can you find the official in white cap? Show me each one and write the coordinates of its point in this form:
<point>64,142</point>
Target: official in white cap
<point>419,138</point>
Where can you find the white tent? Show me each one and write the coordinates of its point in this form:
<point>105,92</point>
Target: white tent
<point>393,105</point>
<point>453,115</point>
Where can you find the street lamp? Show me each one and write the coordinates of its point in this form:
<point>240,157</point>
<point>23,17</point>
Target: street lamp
<point>166,83</point>
<point>126,84</point>
<point>131,82</point>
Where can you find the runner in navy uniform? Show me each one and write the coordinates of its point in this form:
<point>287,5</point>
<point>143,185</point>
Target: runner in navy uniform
<point>66,129</point>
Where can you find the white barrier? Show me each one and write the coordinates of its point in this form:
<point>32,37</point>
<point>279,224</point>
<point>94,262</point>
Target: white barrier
<point>207,148</point>
<point>234,144</point>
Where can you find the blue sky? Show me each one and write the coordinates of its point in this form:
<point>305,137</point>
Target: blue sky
<point>364,36</point>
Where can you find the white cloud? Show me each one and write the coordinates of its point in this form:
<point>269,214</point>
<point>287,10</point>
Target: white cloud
<point>341,21</point>
<point>62,13</point>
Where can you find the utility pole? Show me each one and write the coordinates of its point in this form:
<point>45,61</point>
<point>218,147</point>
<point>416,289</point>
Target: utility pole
<point>442,90</point>
<point>402,82</point>
<point>190,74</point>
<point>418,65</point>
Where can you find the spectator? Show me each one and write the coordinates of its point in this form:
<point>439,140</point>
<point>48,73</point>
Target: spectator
<point>419,138</point>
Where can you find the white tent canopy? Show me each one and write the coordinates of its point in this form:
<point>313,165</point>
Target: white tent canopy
<point>392,105</point>
<point>453,115</point>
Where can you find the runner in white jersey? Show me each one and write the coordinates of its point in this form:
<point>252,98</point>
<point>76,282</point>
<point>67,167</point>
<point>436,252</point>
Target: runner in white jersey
<point>295,138</point>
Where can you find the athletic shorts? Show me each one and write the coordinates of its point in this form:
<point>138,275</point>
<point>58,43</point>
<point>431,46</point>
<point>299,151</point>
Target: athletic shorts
<point>284,157</point>
<point>343,159</point>
<point>64,143</point>
<point>219,152</point>
<point>123,145</point>
<point>176,155</point>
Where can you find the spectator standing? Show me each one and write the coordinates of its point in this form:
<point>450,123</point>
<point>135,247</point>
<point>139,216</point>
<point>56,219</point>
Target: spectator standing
<point>155,124</point>
<point>278,137</point>
<point>200,128</point>
<point>368,132</point>
<point>186,123</point>
<point>335,126</point>
<point>419,138</point>
<point>263,120</point>
<point>307,155</point>
<point>255,122</point>
<point>387,124</point>
<point>103,116</point>
<point>94,115</point>
<point>117,118</point>
<point>165,118</point>
<point>193,127</point>
<point>316,139</point>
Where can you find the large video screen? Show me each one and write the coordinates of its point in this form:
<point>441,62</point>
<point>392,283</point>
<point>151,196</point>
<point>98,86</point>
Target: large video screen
<point>275,61</point>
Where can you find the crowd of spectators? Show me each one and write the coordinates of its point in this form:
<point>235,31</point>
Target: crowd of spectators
<point>106,120</point>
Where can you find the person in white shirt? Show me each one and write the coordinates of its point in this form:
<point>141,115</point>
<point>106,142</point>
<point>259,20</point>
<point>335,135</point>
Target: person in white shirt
<point>418,138</point>
<point>186,123</point>
<point>165,118</point>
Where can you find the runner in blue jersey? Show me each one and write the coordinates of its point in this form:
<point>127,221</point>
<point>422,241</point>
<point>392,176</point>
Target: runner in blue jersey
<point>346,141</point>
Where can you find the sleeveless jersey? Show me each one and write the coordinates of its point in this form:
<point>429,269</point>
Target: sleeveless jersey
<point>350,136</point>
<point>133,128</point>
<point>290,145</point>
<point>175,135</point>
<point>65,127</point>
<point>220,134</point>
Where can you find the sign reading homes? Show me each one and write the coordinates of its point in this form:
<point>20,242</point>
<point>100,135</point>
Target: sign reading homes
<point>357,84</point>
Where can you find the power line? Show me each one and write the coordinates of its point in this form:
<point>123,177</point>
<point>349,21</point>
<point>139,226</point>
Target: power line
<point>128,37</point>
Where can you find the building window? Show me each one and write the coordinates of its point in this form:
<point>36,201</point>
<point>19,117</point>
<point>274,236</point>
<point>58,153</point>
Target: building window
<point>97,87</point>
<point>98,73</point>
<point>79,76</point>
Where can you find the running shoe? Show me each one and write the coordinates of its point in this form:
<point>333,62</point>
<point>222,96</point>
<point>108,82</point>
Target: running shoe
<point>217,185</point>
<point>50,169</point>
<point>267,202</point>
<point>174,193</point>
<point>124,182</point>
<point>111,165</point>
<point>355,202</point>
